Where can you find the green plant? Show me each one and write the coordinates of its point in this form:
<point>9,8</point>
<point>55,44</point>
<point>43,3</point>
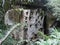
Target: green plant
<point>55,7</point>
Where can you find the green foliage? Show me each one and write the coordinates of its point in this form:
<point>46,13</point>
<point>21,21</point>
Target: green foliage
<point>41,34</point>
<point>2,25</point>
<point>55,34</point>
<point>1,35</point>
<point>58,29</point>
<point>56,7</point>
<point>9,41</point>
<point>7,5</point>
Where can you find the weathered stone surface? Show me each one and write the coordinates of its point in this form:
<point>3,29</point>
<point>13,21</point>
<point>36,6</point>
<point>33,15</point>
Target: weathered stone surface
<point>30,16</point>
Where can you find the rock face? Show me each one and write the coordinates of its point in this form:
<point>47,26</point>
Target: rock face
<point>30,16</point>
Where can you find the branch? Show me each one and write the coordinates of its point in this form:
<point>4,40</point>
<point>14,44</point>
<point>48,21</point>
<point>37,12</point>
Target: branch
<point>1,40</point>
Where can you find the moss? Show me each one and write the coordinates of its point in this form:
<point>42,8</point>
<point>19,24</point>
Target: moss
<point>45,37</point>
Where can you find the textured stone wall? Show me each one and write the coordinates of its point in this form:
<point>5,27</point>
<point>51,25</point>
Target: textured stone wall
<point>30,16</point>
<point>34,21</point>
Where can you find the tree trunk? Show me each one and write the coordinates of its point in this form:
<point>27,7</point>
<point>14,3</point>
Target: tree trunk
<point>45,25</point>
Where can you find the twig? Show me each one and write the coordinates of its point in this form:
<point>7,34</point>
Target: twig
<point>1,40</point>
